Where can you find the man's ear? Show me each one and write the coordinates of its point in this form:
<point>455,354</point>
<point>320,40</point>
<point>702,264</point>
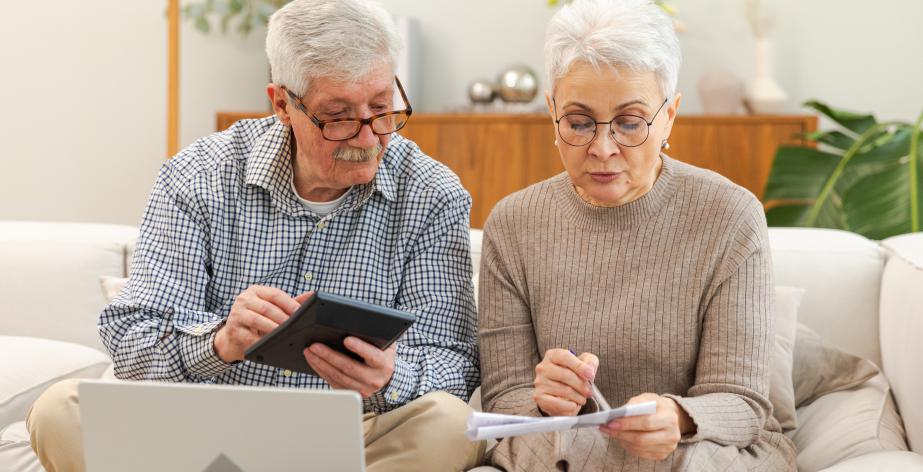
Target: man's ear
<point>279,101</point>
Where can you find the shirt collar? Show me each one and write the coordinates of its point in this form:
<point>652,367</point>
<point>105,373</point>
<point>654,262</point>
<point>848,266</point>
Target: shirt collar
<point>269,166</point>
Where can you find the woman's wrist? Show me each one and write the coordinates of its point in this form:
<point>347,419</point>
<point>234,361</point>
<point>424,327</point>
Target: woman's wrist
<point>683,420</point>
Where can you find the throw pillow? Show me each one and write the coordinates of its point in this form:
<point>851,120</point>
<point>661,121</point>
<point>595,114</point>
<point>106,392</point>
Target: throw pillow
<point>820,369</point>
<point>781,390</point>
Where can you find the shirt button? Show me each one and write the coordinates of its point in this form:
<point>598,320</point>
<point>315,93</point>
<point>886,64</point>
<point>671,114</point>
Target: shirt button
<point>308,276</point>
<point>393,396</point>
<point>321,225</point>
<point>287,373</point>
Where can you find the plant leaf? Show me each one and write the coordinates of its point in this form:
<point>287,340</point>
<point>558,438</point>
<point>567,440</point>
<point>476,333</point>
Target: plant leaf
<point>877,206</point>
<point>202,25</point>
<point>799,173</point>
<point>855,122</point>
<point>835,139</point>
<point>787,215</point>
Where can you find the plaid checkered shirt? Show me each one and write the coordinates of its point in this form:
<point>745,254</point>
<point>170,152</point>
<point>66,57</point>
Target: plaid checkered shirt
<point>223,216</point>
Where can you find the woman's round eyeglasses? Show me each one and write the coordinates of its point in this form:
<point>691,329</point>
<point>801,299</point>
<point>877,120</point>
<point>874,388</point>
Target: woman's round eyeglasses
<point>579,129</point>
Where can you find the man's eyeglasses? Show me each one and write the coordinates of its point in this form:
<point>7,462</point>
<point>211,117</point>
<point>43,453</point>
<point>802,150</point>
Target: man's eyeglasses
<point>579,129</point>
<point>344,129</point>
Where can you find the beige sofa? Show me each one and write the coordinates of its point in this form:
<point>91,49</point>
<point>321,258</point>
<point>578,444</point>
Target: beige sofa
<point>861,296</point>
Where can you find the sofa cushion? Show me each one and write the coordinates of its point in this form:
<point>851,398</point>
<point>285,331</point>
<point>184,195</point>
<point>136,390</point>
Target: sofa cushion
<point>781,389</point>
<point>841,275</point>
<point>846,424</point>
<point>112,286</point>
<point>16,455</point>
<point>901,325</point>
<point>39,363</point>
<point>820,368</point>
<point>50,275</point>
<point>883,461</point>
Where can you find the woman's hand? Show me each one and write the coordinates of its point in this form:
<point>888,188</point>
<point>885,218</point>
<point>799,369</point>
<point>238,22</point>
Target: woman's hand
<point>562,381</point>
<point>651,437</point>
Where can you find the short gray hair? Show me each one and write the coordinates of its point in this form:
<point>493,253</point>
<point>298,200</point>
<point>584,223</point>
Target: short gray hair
<point>636,34</point>
<point>341,39</point>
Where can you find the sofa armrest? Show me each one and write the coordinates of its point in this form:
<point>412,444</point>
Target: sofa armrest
<point>31,365</point>
<point>901,322</point>
<point>885,461</point>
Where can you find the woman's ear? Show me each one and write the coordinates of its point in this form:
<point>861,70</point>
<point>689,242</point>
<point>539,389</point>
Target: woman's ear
<point>279,103</point>
<point>671,113</point>
<point>550,105</point>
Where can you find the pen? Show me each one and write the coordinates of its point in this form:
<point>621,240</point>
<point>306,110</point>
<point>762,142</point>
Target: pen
<point>594,392</point>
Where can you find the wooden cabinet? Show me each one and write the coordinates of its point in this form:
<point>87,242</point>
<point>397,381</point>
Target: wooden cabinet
<point>495,155</point>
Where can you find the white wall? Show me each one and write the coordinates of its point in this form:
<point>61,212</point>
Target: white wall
<point>84,130</point>
<point>84,108</point>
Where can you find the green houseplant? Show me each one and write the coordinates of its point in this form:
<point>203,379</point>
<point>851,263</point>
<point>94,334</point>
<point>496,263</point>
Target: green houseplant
<point>864,177</point>
<point>248,14</point>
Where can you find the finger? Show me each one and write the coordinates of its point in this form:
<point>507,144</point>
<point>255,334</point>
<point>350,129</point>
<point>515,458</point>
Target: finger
<point>348,366</point>
<point>258,324</point>
<point>591,360</point>
<point>556,406</point>
<point>564,358</point>
<point>330,373</point>
<point>564,375</point>
<point>278,298</point>
<point>560,390</point>
<point>373,356</point>
<point>655,422</point>
<point>266,309</point>
<point>304,297</point>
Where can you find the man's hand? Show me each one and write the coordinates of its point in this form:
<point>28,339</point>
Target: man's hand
<point>344,372</point>
<point>562,381</point>
<point>651,437</point>
<point>256,312</point>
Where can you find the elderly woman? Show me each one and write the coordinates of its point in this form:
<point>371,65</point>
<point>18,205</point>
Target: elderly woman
<point>656,272</point>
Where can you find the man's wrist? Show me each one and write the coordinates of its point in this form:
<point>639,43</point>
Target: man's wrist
<point>221,345</point>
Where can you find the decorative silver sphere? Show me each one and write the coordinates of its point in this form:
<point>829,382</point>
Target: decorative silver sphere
<point>482,91</point>
<point>518,83</point>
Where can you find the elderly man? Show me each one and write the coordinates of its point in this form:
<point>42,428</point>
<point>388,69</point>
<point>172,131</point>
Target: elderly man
<point>242,225</point>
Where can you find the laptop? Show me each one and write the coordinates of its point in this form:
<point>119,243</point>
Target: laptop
<point>146,426</point>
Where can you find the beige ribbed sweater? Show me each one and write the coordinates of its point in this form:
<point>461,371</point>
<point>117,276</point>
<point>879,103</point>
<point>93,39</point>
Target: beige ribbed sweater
<point>671,291</point>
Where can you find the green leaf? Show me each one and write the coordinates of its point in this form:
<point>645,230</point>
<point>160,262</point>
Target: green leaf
<point>877,206</point>
<point>835,139</point>
<point>787,215</point>
<point>202,25</point>
<point>855,122</point>
<point>799,173</point>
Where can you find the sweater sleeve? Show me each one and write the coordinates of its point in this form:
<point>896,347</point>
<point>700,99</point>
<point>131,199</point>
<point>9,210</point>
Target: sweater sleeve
<point>729,400</point>
<point>509,352</point>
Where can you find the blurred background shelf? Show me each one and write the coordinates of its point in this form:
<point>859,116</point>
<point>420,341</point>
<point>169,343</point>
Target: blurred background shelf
<point>497,154</point>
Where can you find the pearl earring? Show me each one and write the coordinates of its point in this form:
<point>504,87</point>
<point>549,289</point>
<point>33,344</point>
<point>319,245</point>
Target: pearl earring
<point>665,145</point>
<point>555,142</point>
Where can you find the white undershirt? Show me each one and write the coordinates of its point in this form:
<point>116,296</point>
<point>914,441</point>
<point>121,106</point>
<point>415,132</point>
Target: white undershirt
<point>321,208</point>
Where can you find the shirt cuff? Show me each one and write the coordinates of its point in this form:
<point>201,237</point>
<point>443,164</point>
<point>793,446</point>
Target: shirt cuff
<point>403,385</point>
<point>197,348</point>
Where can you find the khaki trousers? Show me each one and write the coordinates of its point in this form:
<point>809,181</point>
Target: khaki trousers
<point>426,434</point>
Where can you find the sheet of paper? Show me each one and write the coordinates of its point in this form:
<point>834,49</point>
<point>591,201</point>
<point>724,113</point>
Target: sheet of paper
<point>493,426</point>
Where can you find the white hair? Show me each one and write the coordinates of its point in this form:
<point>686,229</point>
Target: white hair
<point>635,34</point>
<point>340,39</point>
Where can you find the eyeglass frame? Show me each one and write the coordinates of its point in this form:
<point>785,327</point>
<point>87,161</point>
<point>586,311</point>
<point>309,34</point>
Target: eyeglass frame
<point>299,103</point>
<point>557,123</point>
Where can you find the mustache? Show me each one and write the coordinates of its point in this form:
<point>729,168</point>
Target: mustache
<point>354,154</point>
